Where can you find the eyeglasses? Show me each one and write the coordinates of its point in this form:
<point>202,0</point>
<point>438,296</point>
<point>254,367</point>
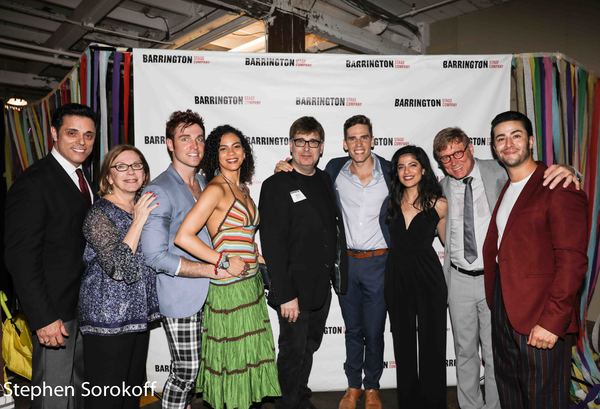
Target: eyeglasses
<point>300,143</point>
<point>455,155</point>
<point>123,167</point>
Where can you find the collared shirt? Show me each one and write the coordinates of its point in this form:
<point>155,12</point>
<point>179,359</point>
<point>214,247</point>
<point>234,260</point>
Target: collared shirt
<point>481,215</point>
<point>361,206</point>
<point>71,170</point>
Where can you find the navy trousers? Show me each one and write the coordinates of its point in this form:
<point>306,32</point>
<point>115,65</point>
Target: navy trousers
<point>363,309</point>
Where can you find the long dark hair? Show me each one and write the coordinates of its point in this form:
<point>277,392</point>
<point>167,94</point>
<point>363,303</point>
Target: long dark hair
<point>429,187</point>
<point>210,161</point>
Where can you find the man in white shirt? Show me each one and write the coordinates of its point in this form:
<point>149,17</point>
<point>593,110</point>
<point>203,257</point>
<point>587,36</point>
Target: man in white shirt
<point>463,262</point>
<point>535,262</point>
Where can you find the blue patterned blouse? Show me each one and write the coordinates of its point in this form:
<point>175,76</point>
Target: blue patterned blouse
<point>118,290</point>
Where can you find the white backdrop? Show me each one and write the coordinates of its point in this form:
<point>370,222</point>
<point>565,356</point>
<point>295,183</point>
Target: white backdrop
<point>408,98</point>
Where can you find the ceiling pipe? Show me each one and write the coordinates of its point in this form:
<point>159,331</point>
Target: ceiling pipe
<point>88,26</point>
<point>38,48</point>
<point>36,57</point>
<point>426,8</point>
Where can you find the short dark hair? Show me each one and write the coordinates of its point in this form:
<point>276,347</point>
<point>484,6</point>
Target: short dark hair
<point>447,136</point>
<point>108,162</point>
<point>72,109</point>
<point>306,124</point>
<point>210,161</point>
<point>512,116</point>
<point>357,120</point>
<point>186,118</point>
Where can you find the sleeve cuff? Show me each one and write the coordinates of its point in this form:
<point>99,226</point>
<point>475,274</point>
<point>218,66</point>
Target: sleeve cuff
<point>178,267</point>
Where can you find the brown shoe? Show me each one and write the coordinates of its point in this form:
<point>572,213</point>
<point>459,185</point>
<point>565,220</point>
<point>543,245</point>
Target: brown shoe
<point>372,400</point>
<point>350,398</point>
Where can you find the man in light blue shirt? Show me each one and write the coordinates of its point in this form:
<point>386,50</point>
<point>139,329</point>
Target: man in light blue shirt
<point>361,182</point>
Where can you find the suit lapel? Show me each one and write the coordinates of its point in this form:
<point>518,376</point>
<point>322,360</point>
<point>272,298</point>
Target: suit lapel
<point>65,180</point>
<point>491,184</point>
<point>530,188</point>
<point>177,179</point>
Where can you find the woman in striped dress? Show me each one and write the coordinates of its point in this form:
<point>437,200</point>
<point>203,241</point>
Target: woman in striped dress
<point>238,354</point>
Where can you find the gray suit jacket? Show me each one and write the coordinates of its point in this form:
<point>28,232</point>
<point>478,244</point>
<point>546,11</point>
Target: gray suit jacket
<point>178,297</point>
<point>494,177</point>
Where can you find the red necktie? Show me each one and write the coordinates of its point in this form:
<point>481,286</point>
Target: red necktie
<point>83,187</point>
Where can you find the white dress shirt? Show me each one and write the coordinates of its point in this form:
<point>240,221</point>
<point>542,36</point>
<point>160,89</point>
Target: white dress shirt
<point>481,216</point>
<point>71,171</point>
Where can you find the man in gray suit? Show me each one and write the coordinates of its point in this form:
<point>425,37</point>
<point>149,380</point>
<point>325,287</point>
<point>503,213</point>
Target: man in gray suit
<point>472,188</point>
<point>181,280</point>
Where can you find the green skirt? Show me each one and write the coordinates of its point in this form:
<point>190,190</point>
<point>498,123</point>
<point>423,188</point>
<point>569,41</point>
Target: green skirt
<point>238,355</point>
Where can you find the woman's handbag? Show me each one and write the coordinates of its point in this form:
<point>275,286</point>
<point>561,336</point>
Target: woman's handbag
<point>16,342</point>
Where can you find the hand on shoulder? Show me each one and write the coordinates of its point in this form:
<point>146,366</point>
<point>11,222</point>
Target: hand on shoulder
<point>441,207</point>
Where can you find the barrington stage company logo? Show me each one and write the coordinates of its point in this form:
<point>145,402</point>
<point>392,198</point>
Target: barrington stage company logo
<point>328,101</point>
<point>377,63</point>
<point>226,100</point>
<point>174,59</point>
<point>268,140</point>
<point>424,103</point>
<point>479,141</point>
<point>471,64</point>
<point>276,62</point>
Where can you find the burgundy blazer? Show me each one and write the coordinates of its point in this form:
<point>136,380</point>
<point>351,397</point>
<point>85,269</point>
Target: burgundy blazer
<point>542,257</point>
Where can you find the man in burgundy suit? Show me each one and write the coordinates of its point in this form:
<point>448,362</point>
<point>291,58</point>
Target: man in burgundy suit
<point>535,262</point>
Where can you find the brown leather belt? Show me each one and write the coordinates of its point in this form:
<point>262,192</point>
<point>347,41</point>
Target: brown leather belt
<point>367,253</point>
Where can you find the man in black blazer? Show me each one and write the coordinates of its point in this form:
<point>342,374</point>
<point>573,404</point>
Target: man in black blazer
<point>45,209</point>
<point>302,237</point>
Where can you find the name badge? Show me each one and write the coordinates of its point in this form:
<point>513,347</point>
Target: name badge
<point>297,196</point>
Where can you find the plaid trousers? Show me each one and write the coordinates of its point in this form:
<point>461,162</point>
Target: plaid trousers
<point>184,339</point>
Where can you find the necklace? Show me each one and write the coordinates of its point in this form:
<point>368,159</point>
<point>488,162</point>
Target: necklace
<point>242,190</point>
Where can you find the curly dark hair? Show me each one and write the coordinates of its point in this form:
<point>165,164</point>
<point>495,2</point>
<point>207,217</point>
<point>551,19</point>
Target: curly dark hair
<point>429,187</point>
<point>210,161</point>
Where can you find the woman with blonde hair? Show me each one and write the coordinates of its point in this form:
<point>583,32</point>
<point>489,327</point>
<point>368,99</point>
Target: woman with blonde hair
<point>117,299</point>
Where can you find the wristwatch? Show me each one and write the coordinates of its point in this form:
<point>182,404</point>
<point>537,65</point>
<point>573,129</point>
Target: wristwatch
<point>224,262</point>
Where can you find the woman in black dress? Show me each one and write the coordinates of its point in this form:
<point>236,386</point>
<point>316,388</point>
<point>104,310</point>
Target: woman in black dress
<point>415,290</point>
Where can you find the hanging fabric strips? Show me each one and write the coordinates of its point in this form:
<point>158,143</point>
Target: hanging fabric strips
<point>28,136</point>
<point>563,101</point>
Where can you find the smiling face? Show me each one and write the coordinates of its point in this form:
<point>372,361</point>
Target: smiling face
<point>512,144</point>
<point>305,158</point>
<point>458,168</point>
<point>410,171</point>
<point>129,181</point>
<point>358,142</point>
<point>75,138</point>
<point>231,152</point>
<point>187,146</point>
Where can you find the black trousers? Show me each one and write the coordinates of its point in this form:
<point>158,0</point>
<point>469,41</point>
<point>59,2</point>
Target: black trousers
<point>528,377</point>
<point>111,361</point>
<point>298,341</point>
<point>420,370</point>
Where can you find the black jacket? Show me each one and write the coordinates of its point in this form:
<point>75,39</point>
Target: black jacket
<point>44,242</point>
<point>293,243</point>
